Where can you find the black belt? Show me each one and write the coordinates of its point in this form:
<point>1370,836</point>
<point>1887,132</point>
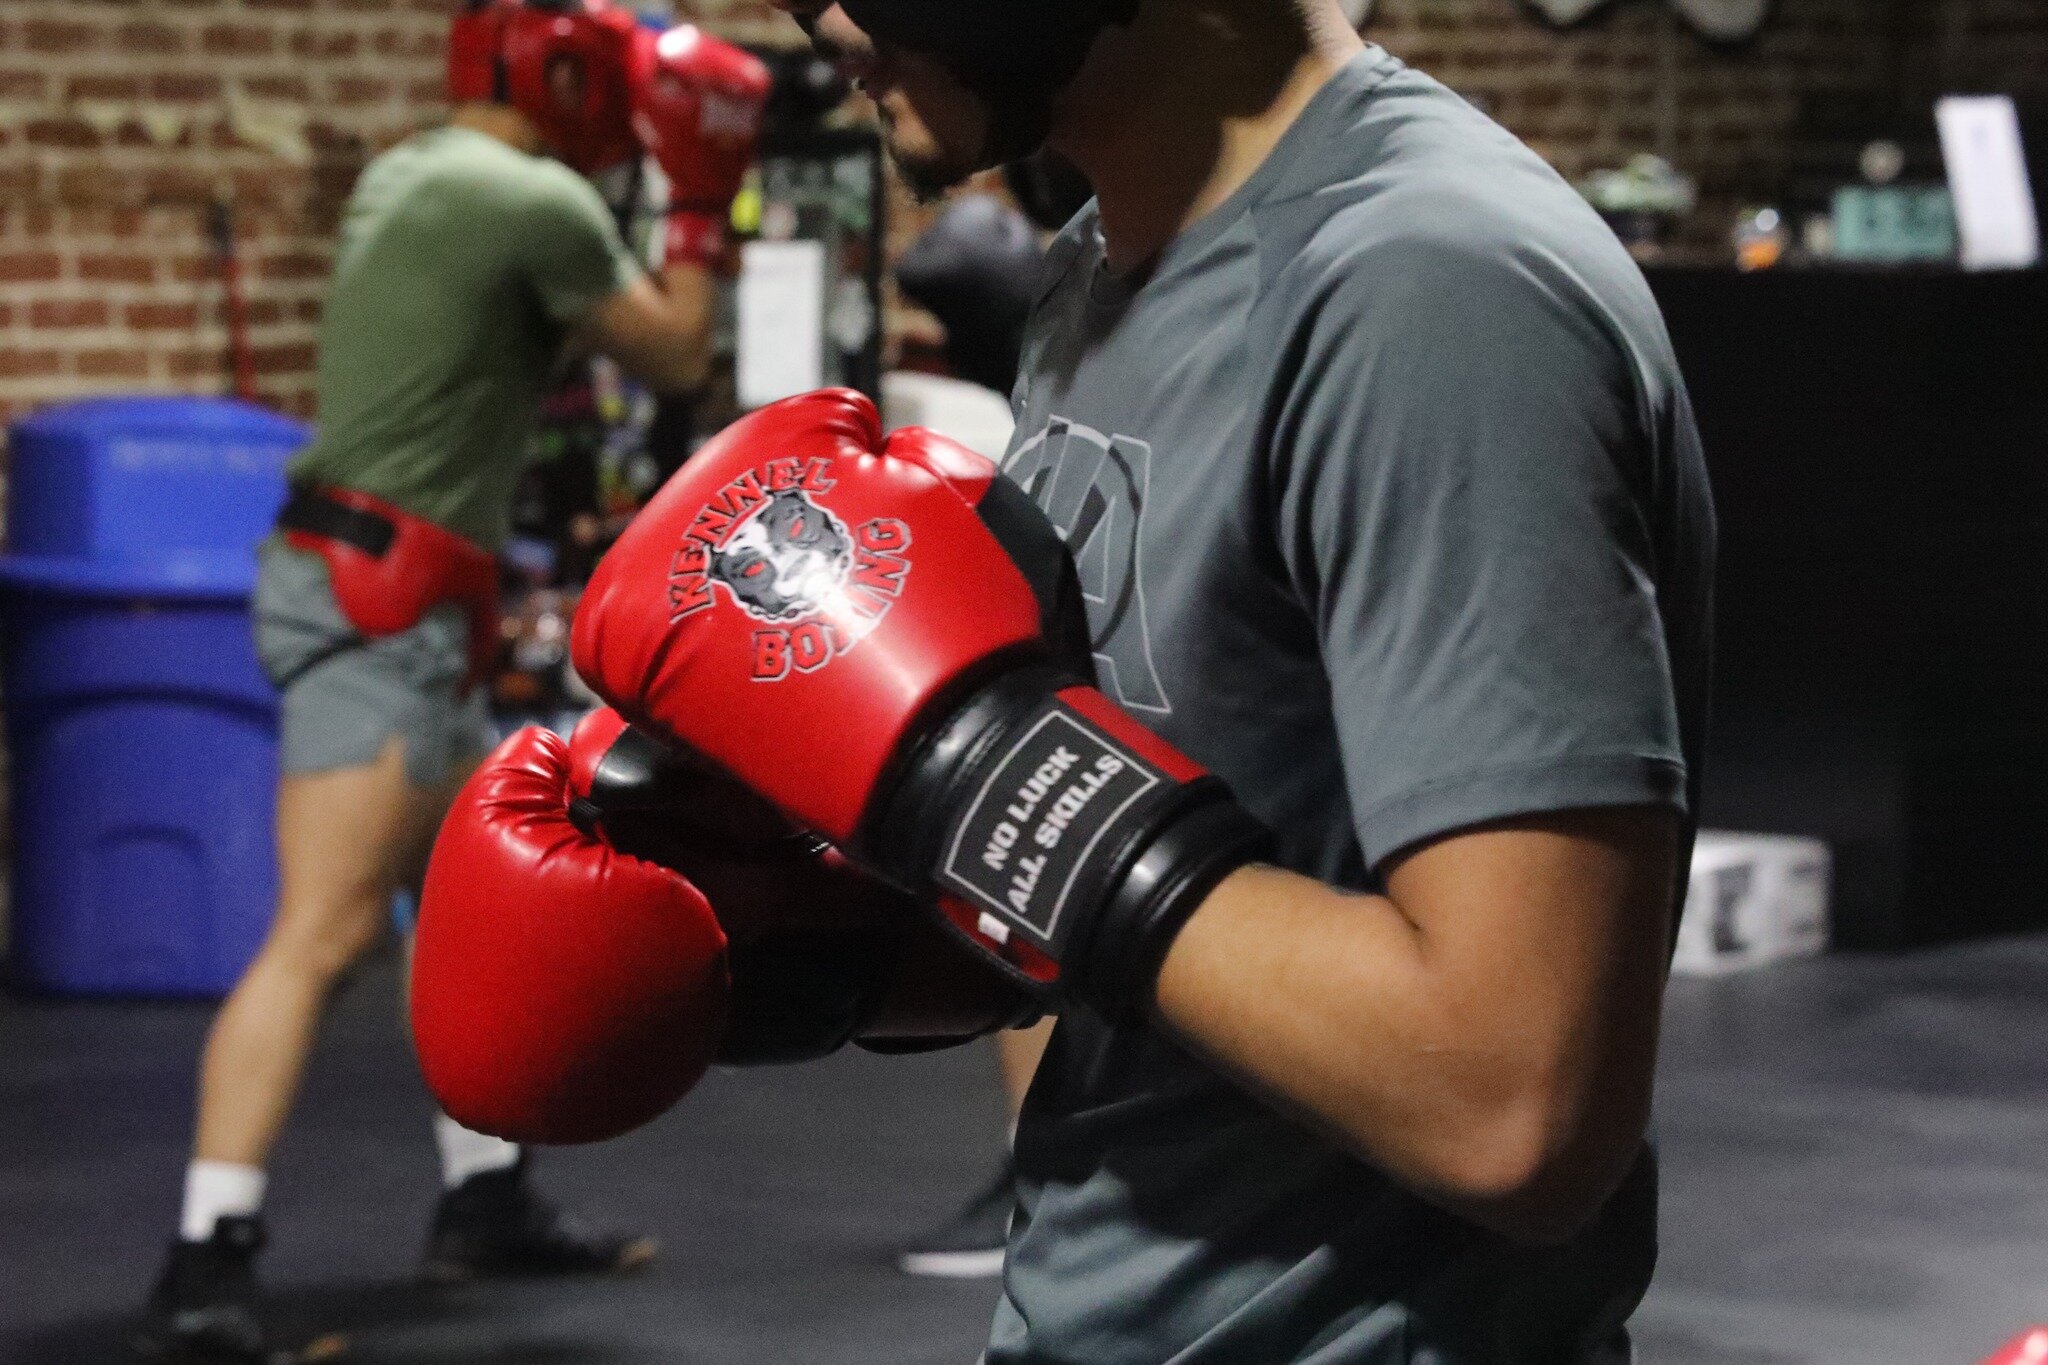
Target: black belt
<point>311,510</point>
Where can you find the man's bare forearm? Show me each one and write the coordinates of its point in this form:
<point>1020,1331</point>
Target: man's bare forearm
<point>1504,1073</point>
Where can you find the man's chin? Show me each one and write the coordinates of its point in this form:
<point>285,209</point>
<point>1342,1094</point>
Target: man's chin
<point>930,175</point>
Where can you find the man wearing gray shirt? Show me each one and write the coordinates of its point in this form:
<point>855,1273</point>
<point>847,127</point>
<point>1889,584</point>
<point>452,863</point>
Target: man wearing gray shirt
<point>1389,509</point>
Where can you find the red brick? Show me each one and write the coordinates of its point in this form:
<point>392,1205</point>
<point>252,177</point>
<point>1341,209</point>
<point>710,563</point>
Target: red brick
<point>113,362</point>
<point>184,87</point>
<point>30,267</point>
<point>122,223</point>
<point>185,181</point>
<point>66,134</point>
<point>149,38</point>
<point>291,358</point>
<point>116,268</point>
<point>295,265</point>
<point>101,86</point>
<point>58,37</point>
<point>238,40</point>
<point>18,84</point>
<point>408,43</point>
<point>193,268</point>
<point>146,317</point>
<point>292,89</point>
<point>355,90</point>
<point>324,45</point>
<point>192,362</point>
<point>19,362</point>
<point>69,314</point>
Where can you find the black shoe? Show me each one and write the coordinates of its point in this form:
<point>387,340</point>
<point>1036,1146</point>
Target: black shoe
<point>203,1309</point>
<point>494,1224</point>
<point>969,1245</point>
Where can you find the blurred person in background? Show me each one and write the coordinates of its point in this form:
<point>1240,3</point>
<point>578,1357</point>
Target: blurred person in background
<point>472,256</point>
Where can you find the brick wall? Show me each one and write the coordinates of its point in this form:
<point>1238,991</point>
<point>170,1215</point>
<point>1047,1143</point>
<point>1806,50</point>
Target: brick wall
<point>1782,117</point>
<point>121,121</point>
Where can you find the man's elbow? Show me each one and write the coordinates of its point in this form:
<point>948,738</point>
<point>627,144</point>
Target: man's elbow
<point>663,346</point>
<point>1534,1179</point>
<point>684,370</point>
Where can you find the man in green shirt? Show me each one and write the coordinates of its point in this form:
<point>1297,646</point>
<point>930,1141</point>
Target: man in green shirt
<point>469,260</point>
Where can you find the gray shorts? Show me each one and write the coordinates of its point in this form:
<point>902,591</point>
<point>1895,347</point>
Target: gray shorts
<point>345,697</point>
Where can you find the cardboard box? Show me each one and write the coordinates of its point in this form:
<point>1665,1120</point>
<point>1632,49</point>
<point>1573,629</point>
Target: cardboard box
<point>1755,898</point>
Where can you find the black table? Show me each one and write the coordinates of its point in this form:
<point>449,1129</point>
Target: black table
<point>1879,448</point>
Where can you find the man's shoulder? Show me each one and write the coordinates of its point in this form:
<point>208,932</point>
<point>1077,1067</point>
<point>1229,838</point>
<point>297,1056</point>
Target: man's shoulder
<point>1415,184</point>
<point>1490,241</point>
<point>459,161</point>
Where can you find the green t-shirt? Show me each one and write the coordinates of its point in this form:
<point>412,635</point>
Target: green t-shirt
<point>463,264</point>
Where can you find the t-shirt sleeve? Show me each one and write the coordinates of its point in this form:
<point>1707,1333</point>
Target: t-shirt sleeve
<point>1461,468</point>
<point>572,252</point>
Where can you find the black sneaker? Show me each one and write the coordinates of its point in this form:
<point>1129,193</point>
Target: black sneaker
<point>203,1309</point>
<point>969,1245</point>
<point>494,1224</point>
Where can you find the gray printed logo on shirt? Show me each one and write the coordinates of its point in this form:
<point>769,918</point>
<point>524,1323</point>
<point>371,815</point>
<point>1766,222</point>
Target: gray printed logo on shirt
<point>1092,487</point>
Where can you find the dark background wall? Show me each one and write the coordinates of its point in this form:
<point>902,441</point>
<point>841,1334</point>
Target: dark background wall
<point>122,120</point>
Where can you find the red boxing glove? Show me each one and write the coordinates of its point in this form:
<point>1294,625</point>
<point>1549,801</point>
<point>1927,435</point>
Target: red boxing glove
<point>821,953</point>
<point>697,105</point>
<point>885,640</point>
<point>562,991</point>
<point>2028,1348</point>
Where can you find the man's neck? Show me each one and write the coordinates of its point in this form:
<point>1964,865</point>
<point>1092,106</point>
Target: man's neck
<point>502,122</point>
<point>1172,115</point>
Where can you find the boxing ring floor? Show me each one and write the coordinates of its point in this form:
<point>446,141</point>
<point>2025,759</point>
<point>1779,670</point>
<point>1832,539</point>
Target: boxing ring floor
<point>1856,1168</point>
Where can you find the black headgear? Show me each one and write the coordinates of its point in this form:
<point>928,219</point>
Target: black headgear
<point>1016,54</point>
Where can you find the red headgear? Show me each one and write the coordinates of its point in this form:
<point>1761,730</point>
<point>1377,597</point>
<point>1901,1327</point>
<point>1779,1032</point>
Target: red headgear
<point>509,52</point>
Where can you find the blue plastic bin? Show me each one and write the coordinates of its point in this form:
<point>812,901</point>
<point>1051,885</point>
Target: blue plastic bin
<point>142,733</point>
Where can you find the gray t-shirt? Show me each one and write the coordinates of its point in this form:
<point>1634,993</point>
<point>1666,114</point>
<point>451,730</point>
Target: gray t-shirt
<point>1389,508</point>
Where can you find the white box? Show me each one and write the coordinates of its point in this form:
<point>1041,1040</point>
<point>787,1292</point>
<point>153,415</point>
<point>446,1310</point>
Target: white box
<point>781,321</point>
<point>1987,175</point>
<point>976,417</point>
<point>1755,898</point>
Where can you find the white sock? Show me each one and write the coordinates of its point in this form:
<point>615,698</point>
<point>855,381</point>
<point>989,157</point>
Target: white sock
<point>215,1190</point>
<point>465,1152</point>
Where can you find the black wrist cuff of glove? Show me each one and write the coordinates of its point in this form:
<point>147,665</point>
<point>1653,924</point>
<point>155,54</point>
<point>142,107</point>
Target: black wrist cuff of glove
<point>1067,842</point>
<point>1164,885</point>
